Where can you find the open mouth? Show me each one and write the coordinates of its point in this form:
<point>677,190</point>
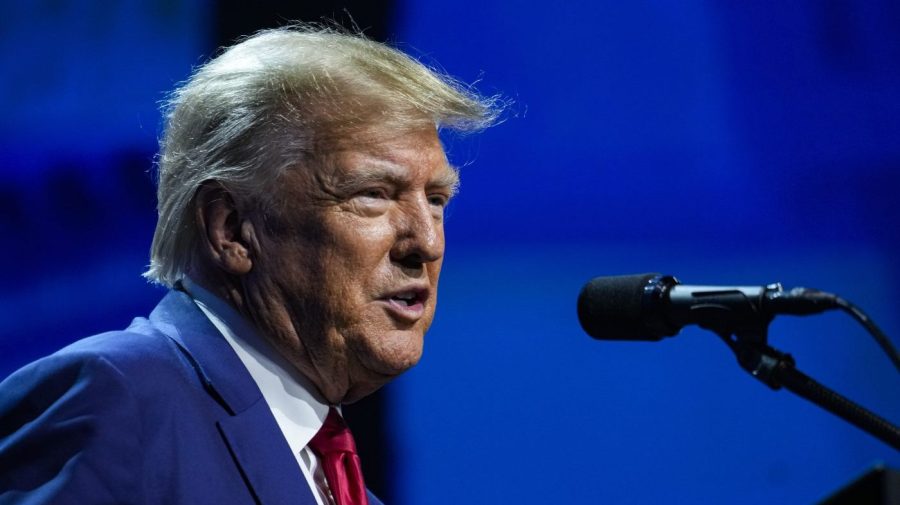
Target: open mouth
<point>407,305</point>
<point>408,298</point>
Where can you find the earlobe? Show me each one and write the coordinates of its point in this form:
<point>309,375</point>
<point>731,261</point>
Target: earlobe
<point>226,237</point>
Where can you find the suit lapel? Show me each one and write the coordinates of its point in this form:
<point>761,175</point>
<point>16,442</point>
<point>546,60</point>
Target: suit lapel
<point>266,461</point>
<point>247,426</point>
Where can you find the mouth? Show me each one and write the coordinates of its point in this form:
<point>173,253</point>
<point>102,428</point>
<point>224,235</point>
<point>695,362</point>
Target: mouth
<point>407,304</point>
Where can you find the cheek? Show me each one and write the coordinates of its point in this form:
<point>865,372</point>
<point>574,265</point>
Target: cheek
<point>360,250</point>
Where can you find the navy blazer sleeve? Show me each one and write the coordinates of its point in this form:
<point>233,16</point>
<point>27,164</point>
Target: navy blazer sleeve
<point>69,433</point>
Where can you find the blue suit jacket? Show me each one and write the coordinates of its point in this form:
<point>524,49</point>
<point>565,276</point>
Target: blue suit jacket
<point>163,412</point>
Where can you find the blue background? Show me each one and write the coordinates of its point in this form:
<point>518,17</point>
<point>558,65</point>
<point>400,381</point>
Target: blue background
<point>725,143</point>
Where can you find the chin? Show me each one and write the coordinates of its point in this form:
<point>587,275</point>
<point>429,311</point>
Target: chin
<point>395,363</point>
<point>377,357</point>
<point>393,353</point>
<point>404,351</point>
<point>376,375</point>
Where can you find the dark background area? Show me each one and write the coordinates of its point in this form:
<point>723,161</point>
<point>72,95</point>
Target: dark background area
<point>724,143</point>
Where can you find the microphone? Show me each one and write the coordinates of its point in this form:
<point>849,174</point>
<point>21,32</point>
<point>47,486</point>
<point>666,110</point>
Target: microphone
<point>653,306</point>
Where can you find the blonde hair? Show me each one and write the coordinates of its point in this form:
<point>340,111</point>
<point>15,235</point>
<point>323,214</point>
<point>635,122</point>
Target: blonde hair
<point>275,100</point>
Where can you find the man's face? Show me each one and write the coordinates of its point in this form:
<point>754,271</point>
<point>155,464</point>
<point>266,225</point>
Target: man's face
<point>346,282</point>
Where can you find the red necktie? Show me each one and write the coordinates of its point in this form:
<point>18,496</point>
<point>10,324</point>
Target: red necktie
<point>334,445</point>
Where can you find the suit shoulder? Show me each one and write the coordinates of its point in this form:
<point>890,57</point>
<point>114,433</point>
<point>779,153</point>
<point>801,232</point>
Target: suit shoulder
<point>84,420</point>
<point>139,362</point>
<point>138,351</point>
<point>140,341</point>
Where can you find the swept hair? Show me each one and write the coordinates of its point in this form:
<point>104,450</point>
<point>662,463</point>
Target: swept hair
<point>274,101</point>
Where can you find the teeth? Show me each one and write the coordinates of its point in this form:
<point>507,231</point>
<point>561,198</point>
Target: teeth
<point>406,296</point>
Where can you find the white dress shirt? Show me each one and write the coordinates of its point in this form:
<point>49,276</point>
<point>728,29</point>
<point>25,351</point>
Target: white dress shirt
<point>294,401</point>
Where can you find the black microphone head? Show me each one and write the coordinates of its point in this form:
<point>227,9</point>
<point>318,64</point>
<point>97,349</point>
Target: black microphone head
<point>610,308</point>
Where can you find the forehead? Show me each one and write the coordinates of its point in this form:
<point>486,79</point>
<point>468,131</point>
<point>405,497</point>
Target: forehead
<point>412,156</point>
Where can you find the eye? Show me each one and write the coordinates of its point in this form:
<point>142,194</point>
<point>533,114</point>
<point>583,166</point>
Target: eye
<point>371,201</point>
<point>438,199</point>
<point>373,193</point>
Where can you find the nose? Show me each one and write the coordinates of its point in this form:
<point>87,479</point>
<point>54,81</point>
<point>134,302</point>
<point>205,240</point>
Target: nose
<point>420,235</point>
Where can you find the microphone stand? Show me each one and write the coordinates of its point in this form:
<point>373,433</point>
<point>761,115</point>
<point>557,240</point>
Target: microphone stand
<point>776,370</point>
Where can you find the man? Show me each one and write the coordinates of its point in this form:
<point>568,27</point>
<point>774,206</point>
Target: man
<point>301,195</point>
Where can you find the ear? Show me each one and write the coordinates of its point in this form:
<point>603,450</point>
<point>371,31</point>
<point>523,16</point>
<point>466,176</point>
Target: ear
<point>227,238</point>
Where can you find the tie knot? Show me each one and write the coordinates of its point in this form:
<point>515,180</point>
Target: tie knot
<point>333,436</point>
<point>340,463</point>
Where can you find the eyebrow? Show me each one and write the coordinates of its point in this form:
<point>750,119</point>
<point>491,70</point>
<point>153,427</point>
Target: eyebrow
<point>396,175</point>
<point>448,179</point>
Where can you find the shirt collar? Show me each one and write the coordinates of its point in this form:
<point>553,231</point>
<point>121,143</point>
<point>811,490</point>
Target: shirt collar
<point>296,405</point>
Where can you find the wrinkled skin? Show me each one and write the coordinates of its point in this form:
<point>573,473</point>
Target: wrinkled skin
<point>341,275</point>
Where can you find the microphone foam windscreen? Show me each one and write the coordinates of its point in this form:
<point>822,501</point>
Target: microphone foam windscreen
<point>610,307</point>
